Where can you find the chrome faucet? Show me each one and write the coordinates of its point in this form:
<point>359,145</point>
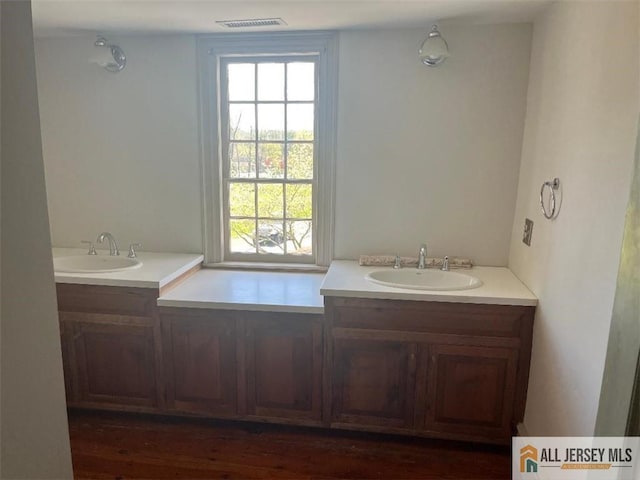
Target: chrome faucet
<point>422,256</point>
<point>113,245</point>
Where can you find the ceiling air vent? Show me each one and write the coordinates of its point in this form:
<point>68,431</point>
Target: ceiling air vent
<point>252,22</point>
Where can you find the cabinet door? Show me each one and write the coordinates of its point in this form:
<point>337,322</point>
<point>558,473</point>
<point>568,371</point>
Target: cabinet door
<point>113,363</point>
<point>284,366</point>
<point>470,391</point>
<point>373,382</point>
<point>200,363</point>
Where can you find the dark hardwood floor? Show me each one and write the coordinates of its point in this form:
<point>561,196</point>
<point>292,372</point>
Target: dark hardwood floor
<point>123,446</point>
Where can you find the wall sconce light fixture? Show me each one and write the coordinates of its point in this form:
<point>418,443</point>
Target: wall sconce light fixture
<point>434,50</point>
<point>111,57</point>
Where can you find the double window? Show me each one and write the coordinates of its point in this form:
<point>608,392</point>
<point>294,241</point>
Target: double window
<point>269,135</point>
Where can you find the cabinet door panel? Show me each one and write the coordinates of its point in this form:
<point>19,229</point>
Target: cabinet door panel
<point>115,364</point>
<point>372,382</point>
<point>284,365</point>
<point>470,390</point>
<point>200,364</point>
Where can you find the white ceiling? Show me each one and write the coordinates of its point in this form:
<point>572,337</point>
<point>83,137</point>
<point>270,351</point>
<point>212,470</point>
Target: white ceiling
<point>72,17</point>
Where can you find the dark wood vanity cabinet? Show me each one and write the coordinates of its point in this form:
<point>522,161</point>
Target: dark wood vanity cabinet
<point>469,391</point>
<point>122,352</point>
<point>435,369</point>
<point>108,346</point>
<point>283,366</point>
<point>114,363</point>
<point>240,364</point>
<point>66,365</point>
<point>199,359</point>
<point>372,382</point>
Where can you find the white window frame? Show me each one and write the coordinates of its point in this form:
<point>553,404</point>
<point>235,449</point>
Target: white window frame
<point>211,49</point>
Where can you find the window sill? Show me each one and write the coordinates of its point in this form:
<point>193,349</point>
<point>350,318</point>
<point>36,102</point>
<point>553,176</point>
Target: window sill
<point>269,267</point>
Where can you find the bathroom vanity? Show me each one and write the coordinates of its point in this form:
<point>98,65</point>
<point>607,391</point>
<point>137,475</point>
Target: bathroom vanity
<point>446,364</point>
<point>439,369</point>
<point>108,346</point>
<point>109,330</point>
<point>268,347</point>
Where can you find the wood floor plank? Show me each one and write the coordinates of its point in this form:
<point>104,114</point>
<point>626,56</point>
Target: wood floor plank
<point>124,446</point>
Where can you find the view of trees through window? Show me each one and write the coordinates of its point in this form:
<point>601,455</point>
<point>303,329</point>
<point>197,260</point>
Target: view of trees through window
<point>269,170</point>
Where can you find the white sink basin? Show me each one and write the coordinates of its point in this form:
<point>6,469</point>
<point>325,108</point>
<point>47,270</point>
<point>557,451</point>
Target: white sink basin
<point>426,279</point>
<point>94,264</point>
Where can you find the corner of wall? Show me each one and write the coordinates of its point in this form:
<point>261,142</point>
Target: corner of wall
<point>34,433</point>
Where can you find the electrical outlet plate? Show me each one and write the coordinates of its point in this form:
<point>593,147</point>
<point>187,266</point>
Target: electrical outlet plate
<point>528,230</point>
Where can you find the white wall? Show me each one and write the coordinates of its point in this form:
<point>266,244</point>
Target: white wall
<point>424,154</point>
<point>582,109</point>
<point>430,154</point>
<point>34,438</point>
<point>121,150</point>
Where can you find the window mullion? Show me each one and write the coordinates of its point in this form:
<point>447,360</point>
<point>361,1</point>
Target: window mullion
<point>224,167</point>
<point>255,107</point>
<point>257,157</point>
<point>284,157</point>
<point>255,229</point>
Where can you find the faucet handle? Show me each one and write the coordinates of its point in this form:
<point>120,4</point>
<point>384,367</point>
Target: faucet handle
<point>398,262</point>
<point>445,264</point>
<point>132,249</point>
<point>92,248</point>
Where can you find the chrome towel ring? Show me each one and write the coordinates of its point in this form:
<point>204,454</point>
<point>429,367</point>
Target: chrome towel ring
<point>553,186</point>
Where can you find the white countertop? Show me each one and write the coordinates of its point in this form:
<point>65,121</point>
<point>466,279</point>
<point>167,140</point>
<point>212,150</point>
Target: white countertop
<point>248,290</point>
<point>157,270</point>
<point>500,286</point>
<point>285,291</point>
